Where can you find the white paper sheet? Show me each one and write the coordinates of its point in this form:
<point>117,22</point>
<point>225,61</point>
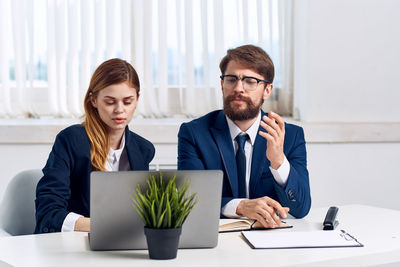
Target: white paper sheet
<point>314,239</point>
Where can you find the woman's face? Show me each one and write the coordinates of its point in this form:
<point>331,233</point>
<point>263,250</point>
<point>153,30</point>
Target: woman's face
<point>116,104</point>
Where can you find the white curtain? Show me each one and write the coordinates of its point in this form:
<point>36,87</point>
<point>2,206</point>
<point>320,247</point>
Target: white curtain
<point>5,32</point>
<point>49,49</point>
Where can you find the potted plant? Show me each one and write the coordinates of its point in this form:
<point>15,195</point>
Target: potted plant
<point>163,209</point>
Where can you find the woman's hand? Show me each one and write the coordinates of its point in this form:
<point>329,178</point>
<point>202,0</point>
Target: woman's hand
<point>82,225</point>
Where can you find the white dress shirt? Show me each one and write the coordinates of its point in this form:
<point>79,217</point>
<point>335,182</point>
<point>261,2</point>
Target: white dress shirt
<point>114,162</point>
<point>280,175</point>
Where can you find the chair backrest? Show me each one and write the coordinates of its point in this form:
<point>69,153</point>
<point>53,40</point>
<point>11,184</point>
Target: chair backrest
<point>17,210</point>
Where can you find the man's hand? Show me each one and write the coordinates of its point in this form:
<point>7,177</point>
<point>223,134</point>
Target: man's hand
<point>264,209</point>
<point>275,135</point>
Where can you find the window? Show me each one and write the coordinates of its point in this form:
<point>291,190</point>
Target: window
<point>49,49</point>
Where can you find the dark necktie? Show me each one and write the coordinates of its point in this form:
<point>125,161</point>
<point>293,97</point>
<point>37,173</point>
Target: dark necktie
<point>241,164</point>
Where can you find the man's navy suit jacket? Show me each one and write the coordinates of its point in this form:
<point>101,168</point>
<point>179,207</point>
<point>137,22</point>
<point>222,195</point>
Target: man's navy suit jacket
<point>65,185</point>
<point>206,143</point>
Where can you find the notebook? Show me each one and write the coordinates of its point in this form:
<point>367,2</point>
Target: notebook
<point>115,224</point>
<point>313,239</point>
<point>247,225</point>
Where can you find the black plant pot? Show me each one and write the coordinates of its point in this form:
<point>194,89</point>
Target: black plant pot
<point>162,243</point>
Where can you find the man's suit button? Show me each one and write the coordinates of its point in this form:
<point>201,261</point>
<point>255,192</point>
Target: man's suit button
<point>45,229</point>
<point>291,196</point>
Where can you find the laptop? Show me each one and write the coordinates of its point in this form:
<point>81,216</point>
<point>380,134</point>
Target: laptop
<point>115,224</point>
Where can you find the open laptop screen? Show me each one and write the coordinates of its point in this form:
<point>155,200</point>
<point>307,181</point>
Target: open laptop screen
<point>115,224</point>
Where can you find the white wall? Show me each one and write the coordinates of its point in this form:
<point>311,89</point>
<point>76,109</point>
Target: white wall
<point>354,174</point>
<point>347,60</point>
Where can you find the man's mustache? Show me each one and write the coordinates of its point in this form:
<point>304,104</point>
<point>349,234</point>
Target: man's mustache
<point>241,97</point>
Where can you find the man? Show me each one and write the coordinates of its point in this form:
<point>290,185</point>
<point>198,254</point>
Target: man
<point>262,157</point>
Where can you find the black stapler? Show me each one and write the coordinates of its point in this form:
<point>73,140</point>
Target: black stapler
<point>330,221</point>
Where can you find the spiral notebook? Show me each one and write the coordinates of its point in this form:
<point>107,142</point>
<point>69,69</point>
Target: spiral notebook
<point>315,239</point>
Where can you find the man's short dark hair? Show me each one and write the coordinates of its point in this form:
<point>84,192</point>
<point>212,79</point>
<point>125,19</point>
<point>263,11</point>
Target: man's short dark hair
<point>253,57</point>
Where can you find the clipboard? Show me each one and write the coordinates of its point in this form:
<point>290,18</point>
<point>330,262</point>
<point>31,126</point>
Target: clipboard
<point>288,240</point>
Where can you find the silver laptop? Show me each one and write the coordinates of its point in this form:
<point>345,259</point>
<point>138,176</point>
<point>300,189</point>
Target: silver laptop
<point>115,224</point>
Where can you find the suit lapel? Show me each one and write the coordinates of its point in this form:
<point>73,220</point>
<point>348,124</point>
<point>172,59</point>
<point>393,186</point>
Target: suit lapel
<point>223,139</point>
<point>259,160</point>
<point>132,149</point>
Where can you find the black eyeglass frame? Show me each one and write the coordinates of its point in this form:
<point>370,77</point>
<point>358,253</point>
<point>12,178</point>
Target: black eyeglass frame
<point>238,78</point>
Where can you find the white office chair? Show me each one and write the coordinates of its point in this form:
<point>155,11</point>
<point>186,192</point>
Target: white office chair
<point>17,210</point>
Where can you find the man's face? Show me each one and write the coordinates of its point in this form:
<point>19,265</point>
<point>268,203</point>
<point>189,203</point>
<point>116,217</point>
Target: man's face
<point>240,104</point>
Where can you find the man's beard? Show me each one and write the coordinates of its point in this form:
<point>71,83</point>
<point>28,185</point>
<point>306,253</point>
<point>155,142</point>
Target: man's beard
<point>250,112</point>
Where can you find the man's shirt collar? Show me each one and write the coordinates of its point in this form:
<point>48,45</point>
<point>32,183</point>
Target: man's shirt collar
<point>252,131</point>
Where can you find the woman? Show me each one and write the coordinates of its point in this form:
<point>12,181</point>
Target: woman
<point>102,143</point>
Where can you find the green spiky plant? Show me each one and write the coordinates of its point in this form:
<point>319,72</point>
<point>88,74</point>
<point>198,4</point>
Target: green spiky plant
<point>163,205</point>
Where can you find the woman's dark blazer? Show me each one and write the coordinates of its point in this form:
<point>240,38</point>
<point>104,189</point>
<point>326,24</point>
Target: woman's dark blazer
<point>65,186</point>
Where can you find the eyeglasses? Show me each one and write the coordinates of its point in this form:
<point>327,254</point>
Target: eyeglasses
<point>249,83</point>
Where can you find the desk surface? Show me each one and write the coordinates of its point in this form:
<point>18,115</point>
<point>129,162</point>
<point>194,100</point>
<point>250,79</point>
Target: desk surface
<point>377,228</point>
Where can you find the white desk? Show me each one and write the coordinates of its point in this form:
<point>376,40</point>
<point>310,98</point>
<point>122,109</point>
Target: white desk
<point>378,229</point>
